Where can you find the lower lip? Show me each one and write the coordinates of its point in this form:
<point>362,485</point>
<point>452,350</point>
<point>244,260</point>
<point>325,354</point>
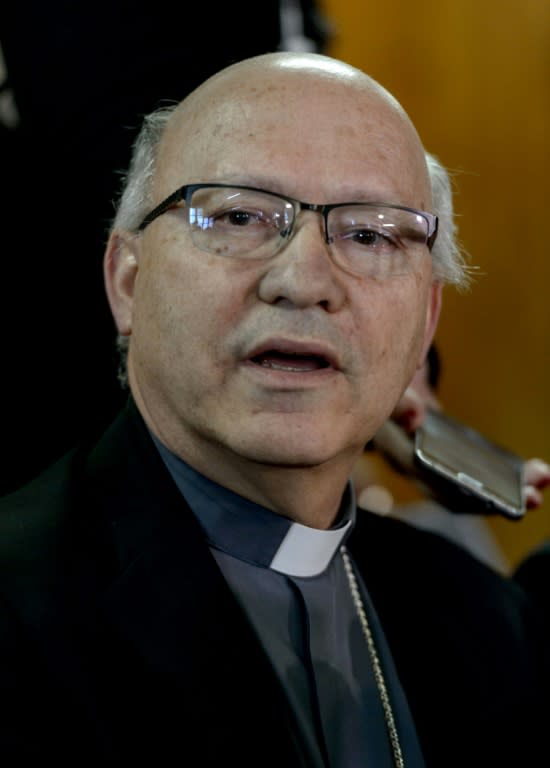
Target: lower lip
<point>287,378</point>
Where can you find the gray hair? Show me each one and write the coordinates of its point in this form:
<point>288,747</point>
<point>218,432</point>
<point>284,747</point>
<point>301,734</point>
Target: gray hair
<point>136,199</point>
<point>449,263</point>
<point>449,259</point>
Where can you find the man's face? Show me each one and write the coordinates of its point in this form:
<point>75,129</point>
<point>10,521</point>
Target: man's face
<point>290,360</point>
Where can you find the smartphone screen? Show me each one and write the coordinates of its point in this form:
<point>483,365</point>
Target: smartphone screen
<point>469,472</point>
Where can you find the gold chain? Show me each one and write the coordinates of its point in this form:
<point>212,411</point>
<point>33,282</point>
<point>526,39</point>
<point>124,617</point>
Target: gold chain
<point>375,660</point>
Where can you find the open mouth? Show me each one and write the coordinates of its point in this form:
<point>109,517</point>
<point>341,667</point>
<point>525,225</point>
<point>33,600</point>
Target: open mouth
<point>290,363</point>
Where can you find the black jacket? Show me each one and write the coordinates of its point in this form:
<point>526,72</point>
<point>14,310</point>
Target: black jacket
<point>121,642</point>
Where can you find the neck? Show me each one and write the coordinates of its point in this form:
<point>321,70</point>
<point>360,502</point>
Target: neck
<point>307,494</point>
<point>310,495</point>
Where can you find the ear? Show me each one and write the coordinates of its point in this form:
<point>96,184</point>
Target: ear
<point>120,268</point>
<point>432,318</point>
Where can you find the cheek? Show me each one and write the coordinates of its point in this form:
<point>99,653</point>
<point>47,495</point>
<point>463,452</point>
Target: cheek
<point>187,304</point>
<point>391,332</point>
<point>163,313</point>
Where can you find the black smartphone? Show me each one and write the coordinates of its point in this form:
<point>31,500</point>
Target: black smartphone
<point>468,471</point>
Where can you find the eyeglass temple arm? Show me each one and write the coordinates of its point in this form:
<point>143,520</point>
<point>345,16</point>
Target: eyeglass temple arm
<point>170,201</point>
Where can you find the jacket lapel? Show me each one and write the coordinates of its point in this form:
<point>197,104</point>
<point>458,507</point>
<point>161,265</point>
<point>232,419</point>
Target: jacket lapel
<point>171,605</point>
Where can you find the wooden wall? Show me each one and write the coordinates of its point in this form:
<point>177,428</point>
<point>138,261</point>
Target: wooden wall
<point>475,78</point>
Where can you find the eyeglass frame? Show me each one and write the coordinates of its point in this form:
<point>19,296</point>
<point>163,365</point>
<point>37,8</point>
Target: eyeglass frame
<point>185,193</point>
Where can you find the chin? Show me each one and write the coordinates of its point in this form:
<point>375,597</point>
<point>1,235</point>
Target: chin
<point>290,450</point>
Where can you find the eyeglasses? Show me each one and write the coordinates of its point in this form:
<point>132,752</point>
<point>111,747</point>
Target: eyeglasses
<point>375,240</point>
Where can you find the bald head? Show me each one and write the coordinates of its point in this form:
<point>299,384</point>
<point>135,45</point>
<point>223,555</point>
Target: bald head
<point>300,107</point>
<point>305,66</point>
<point>303,110</point>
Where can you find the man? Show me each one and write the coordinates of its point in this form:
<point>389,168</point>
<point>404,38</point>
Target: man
<point>195,587</point>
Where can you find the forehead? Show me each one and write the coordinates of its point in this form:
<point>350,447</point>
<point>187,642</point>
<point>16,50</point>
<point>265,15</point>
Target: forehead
<point>318,136</point>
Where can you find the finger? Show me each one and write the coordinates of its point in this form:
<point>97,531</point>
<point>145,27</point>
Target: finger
<point>533,497</point>
<point>410,411</point>
<point>537,473</point>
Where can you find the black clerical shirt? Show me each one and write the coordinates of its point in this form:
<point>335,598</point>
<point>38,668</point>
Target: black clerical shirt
<point>291,582</point>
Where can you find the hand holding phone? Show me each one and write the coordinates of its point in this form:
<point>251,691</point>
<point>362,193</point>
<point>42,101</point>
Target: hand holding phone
<point>463,469</point>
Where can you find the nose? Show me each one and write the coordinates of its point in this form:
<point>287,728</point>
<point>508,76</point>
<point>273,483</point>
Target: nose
<point>303,273</point>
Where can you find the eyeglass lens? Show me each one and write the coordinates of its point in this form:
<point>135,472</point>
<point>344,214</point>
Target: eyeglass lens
<point>368,240</point>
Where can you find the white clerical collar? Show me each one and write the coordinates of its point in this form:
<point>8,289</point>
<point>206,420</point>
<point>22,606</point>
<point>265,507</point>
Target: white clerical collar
<point>308,551</point>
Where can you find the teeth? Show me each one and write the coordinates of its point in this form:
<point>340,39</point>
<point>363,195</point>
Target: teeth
<point>281,367</point>
<point>289,363</point>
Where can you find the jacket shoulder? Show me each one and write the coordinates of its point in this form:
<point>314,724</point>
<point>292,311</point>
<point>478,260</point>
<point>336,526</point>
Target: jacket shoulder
<point>32,513</point>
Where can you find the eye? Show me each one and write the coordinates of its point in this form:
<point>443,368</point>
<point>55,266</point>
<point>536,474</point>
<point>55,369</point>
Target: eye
<point>239,217</point>
<point>242,218</point>
<point>369,238</point>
